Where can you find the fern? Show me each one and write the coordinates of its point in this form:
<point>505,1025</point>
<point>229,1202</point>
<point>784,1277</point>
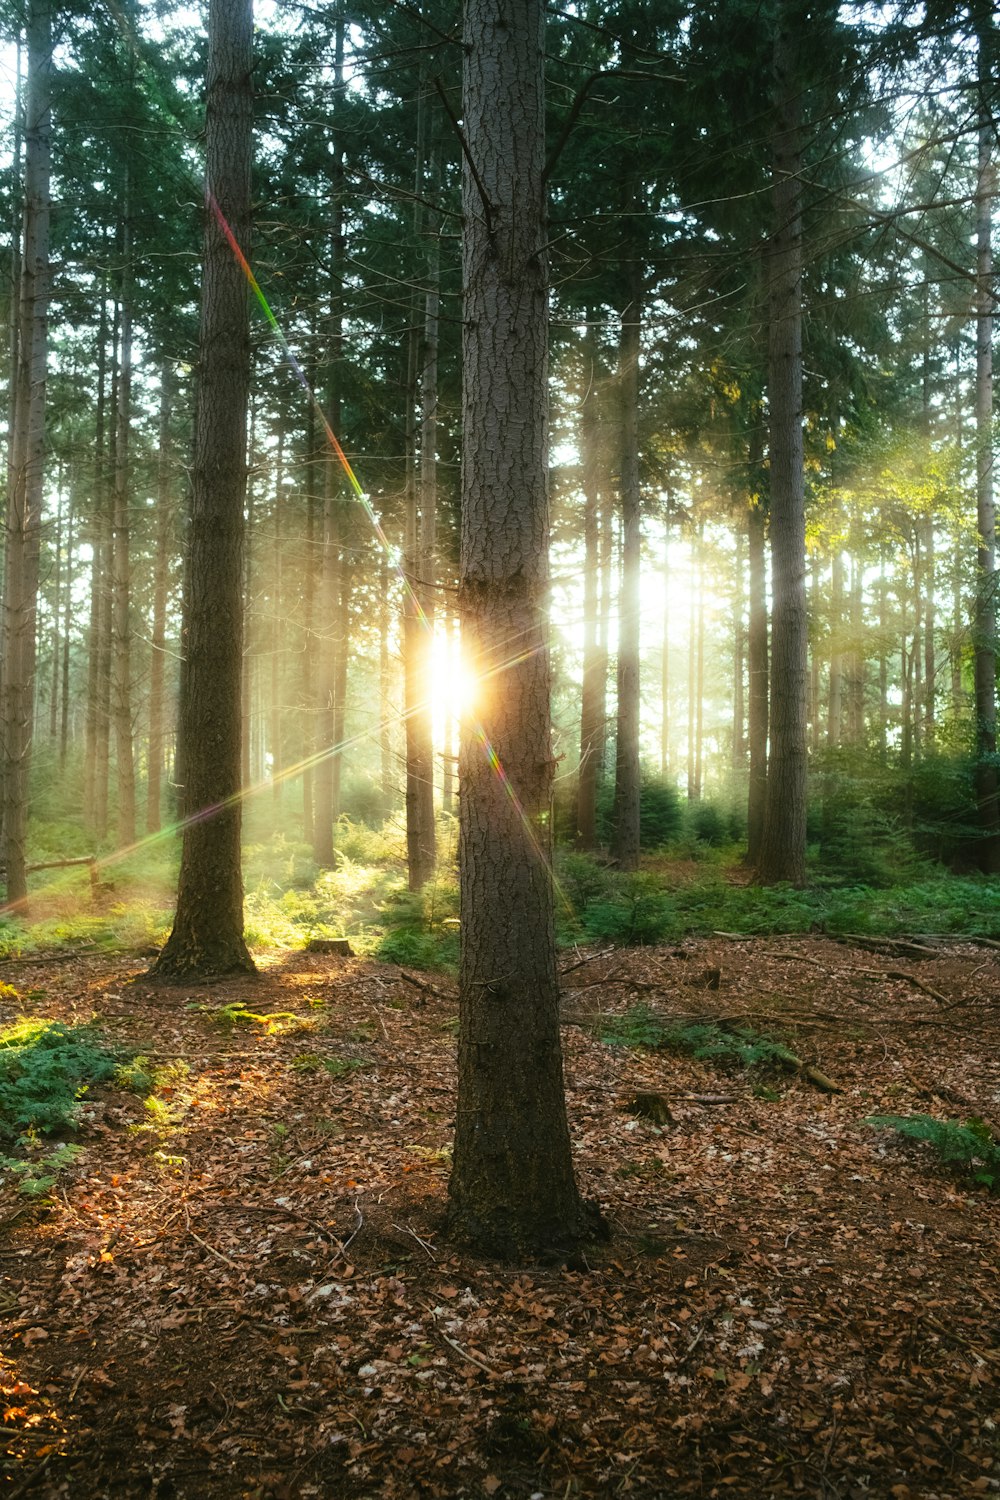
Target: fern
<point>45,1068</point>
<point>642,1027</point>
<point>970,1146</point>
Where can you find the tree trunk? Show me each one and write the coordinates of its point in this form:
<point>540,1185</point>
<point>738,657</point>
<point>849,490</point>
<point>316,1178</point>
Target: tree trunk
<point>24,502</point>
<point>783,847</point>
<point>739,664</point>
<point>594,664</point>
<point>207,936</point>
<point>757,654</point>
<point>276,714</point>
<point>122,650</point>
<point>985,622</point>
<point>327,771</point>
<point>625,816</point>
<point>665,725</point>
<point>418,604</point>
<point>158,632</point>
<point>512,1187</point>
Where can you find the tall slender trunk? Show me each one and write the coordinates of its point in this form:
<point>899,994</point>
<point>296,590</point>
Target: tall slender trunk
<point>783,847</point>
<point>122,659</point>
<point>24,501</point>
<point>985,622</point>
<point>67,627</point>
<point>835,700</point>
<point>96,582</point>
<point>757,653</point>
<point>625,817</point>
<point>327,773</point>
<point>384,684</point>
<point>739,663</point>
<point>699,695</point>
<point>158,631</point>
<point>665,724</point>
<point>594,665</point>
<point>421,494</point>
<point>275,706</point>
<point>56,603</point>
<point>692,682</point>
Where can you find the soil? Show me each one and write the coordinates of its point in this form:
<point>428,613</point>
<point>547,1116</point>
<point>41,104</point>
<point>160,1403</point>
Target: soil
<point>246,1288</point>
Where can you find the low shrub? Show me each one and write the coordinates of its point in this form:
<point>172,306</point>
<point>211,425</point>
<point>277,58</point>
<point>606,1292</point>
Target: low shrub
<point>739,1047</point>
<point>45,1069</point>
<point>970,1147</point>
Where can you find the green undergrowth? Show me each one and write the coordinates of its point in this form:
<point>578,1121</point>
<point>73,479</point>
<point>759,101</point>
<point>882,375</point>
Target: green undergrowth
<point>46,1068</point>
<point>970,1147</point>
<point>601,905</point>
<point>739,1047</point>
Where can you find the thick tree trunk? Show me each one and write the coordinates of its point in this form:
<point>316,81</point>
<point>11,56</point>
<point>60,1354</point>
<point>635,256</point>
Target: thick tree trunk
<point>625,816</point>
<point>783,847</point>
<point>207,936</point>
<point>24,501</point>
<point>512,1186</point>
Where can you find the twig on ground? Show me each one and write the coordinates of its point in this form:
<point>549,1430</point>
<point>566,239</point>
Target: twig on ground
<point>590,959</point>
<point>405,1229</point>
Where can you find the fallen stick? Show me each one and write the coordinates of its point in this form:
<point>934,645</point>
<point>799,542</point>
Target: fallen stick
<point>590,959</point>
<point>428,989</point>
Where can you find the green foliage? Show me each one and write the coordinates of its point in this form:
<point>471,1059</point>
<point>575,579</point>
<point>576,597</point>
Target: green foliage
<point>38,1173</point>
<point>337,1067</point>
<point>420,928</point>
<point>970,1146</point>
<point>237,1014</point>
<point>632,910</point>
<point>661,812</point>
<point>45,1068</point>
<point>642,1027</point>
<point>710,824</point>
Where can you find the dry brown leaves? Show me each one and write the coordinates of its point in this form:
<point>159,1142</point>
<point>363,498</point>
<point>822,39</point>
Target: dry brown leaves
<point>250,1292</point>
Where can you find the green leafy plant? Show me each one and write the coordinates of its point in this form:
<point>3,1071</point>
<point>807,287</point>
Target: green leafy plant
<point>337,1067</point>
<point>739,1047</point>
<point>38,1174</point>
<point>45,1068</point>
<point>970,1146</point>
<point>273,1022</point>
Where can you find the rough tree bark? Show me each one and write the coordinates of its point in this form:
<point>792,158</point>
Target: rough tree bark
<point>27,457</point>
<point>158,631</point>
<point>985,621</point>
<point>207,936</point>
<point>512,1186</point>
<point>783,845</point>
<point>625,815</point>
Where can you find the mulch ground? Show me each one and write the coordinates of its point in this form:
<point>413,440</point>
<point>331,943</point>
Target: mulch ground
<point>248,1290</point>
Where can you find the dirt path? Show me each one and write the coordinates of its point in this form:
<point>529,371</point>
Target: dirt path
<point>246,1289</point>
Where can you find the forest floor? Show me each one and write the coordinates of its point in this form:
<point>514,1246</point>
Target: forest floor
<point>245,1288</point>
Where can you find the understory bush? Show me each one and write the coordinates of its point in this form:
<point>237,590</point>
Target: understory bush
<point>632,910</point>
<point>969,1146</point>
<point>45,1068</point>
<point>706,1040</point>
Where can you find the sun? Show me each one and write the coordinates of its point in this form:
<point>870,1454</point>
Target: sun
<point>454,685</point>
